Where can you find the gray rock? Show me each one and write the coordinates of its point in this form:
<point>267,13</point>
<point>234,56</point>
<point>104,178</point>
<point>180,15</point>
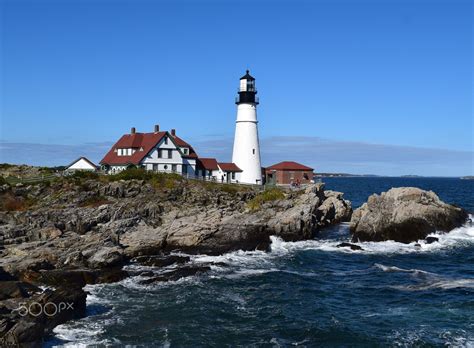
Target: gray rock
<point>430,240</point>
<point>349,245</point>
<point>106,257</point>
<point>176,274</point>
<point>404,214</point>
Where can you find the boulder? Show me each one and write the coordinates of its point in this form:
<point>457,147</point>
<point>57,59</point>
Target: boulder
<point>105,257</point>
<point>430,240</point>
<point>404,214</point>
<point>176,274</point>
<point>349,245</point>
<point>42,313</point>
<point>161,260</point>
<point>16,289</point>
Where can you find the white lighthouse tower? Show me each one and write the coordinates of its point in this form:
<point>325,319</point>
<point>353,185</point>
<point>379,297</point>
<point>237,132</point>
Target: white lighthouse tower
<point>246,153</point>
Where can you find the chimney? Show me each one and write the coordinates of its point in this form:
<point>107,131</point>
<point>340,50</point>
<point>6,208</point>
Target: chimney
<point>157,128</point>
<point>133,130</point>
<point>173,132</point>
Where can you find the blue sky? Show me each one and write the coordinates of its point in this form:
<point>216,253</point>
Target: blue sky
<point>380,87</point>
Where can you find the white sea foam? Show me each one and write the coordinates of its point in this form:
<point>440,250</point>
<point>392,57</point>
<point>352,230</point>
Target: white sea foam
<point>398,269</point>
<point>459,237</point>
<point>444,284</point>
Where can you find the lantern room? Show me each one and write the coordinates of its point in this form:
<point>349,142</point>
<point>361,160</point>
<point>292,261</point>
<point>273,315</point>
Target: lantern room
<point>247,90</point>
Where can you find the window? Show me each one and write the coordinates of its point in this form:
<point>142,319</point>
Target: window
<point>155,167</point>
<point>166,167</point>
<point>253,151</point>
<point>173,167</point>
<point>233,175</point>
<point>185,151</point>
<point>166,140</point>
<point>160,153</point>
<point>170,153</point>
<point>185,169</point>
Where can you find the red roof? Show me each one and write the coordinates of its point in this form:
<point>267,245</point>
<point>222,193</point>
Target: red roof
<point>137,141</point>
<point>207,163</point>
<point>181,143</point>
<point>288,165</point>
<point>229,167</point>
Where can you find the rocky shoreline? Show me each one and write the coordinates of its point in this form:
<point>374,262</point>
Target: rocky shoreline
<point>58,236</point>
<point>79,230</point>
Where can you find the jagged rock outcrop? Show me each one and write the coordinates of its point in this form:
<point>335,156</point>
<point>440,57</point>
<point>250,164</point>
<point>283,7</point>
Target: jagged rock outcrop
<point>83,231</point>
<point>28,313</point>
<point>97,225</point>
<point>404,214</point>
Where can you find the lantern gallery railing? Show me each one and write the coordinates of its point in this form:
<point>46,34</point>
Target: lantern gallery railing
<point>238,100</point>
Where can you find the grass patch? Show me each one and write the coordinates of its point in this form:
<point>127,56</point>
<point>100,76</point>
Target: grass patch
<point>165,180</point>
<point>131,174</point>
<point>157,180</point>
<point>228,188</point>
<point>272,194</point>
<point>13,203</point>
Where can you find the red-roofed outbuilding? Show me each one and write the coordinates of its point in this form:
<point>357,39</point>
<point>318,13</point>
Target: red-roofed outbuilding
<point>288,172</point>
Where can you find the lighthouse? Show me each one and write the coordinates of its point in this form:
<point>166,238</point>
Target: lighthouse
<point>246,154</point>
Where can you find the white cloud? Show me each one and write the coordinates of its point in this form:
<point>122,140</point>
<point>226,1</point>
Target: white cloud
<point>324,155</point>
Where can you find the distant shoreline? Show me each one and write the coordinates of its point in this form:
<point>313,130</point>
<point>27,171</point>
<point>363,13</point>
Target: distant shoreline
<point>344,175</point>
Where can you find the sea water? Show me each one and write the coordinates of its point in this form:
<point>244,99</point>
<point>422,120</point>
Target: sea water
<point>307,293</point>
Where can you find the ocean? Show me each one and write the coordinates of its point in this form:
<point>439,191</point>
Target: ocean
<point>305,294</point>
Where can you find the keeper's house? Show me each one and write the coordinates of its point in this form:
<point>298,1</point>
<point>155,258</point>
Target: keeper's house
<point>287,173</point>
<point>158,151</point>
<point>163,151</point>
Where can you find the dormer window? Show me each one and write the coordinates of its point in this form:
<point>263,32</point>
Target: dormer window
<point>125,152</point>
<point>185,151</point>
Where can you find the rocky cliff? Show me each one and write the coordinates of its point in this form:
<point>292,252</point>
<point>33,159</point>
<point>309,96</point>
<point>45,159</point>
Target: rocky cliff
<point>82,230</point>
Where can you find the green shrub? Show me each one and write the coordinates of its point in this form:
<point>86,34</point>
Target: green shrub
<point>157,180</point>
<point>6,165</point>
<point>231,189</point>
<point>46,170</point>
<point>269,195</point>
<point>3,181</point>
<point>130,174</point>
<point>83,174</point>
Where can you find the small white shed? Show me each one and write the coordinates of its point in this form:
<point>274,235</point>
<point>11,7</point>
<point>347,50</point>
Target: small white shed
<point>81,163</point>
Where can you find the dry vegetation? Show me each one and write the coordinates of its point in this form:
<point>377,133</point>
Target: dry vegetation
<point>271,194</point>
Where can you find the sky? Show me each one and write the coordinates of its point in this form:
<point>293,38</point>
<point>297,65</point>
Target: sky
<point>356,86</point>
